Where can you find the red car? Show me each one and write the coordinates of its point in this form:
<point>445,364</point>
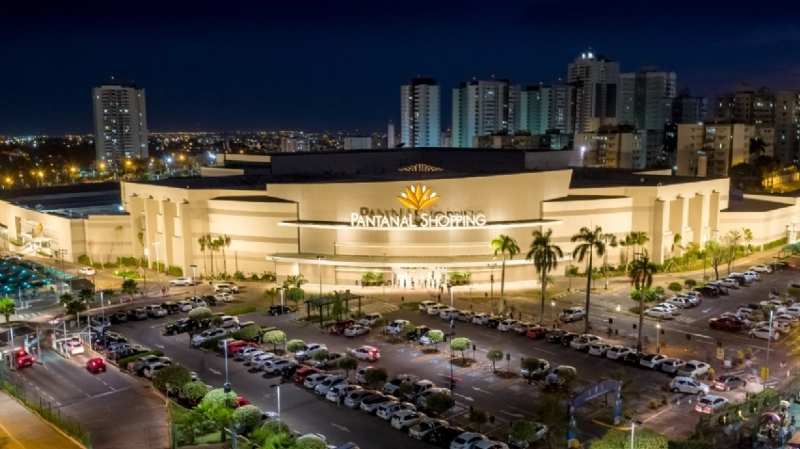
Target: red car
<point>22,359</point>
<point>96,365</point>
<point>536,332</point>
<point>237,345</point>
<point>726,324</point>
<point>241,400</point>
<point>303,372</point>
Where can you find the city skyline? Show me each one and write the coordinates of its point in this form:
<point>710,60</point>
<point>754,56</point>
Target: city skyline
<point>259,67</point>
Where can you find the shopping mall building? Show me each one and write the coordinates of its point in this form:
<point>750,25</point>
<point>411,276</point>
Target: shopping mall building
<point>413,215</point>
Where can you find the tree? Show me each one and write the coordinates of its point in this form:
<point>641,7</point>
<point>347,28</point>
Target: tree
<point>716,253</point>
<point>72,305</point>
<point>249,333</point>
<point>532,365</point>
<point>199,314</point>
<point>172,378</point>
<point>638,238</point>
<point>7,307</point>
<point>224,241</point>
<point>275,338</point>
<point>320,356</point>
<point>460,344</point>
<point>129,286</point>
<point>675,287</point>
<point>494,356</point>
<point>590,242</point>
<point>523,432</point>
<point>270,294</point>
<point>295,345</point>
<point>218,397</point>
<point>294,281</point>
<point>203,245</point>
<point>477,417</point>
<point>545,257</point>
<point>732,240</point>
<point>439,403</point>
<point>435,336</point>
<point>375,376</point>
<point>194,391</point>
<point>641,274</point>
<point>676,243</point>
<point>748,239</point>
<point>247,417</point>
<point>506,246</point>
<point>347,364</point>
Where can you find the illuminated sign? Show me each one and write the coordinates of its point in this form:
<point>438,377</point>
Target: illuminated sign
<point>415,199</point>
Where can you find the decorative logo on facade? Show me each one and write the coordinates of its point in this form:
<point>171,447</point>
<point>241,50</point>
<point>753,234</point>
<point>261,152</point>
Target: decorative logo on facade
<point>415,199</point>
<point>418,197</point>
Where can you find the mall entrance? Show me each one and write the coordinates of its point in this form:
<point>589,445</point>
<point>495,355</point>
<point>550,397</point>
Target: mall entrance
<point>419,278</point>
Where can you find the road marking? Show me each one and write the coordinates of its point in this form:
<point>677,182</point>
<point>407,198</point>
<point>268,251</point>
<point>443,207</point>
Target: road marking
<point>513,415</point>
<point>213,371</point>
<point>706,310</point>
<point>466,398</point>
<point>159,346</point>
<point>481,390</point>
<point>342,428</point>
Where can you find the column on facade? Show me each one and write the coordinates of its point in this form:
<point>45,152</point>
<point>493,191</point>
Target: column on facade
<point>135,207</point>
<point>168,210</point>
<point>713,216</point>
<point>662,236</point>
<point>679,222</point>
<point>187,240</point>
<point>154,247</point>
<point>699,218</point>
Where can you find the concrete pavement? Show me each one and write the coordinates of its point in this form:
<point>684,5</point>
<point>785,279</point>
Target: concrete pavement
<point>20,428</point>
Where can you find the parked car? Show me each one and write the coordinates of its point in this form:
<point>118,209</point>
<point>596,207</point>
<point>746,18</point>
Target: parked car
<point>425,427</point>
<point>554,335</point>
<point>404,419</point>
<point>652,361</point>
<point>370,404</point>
<point>632,358</point>
<point>728,382</point>
<point>765,333</point>
<point>617,352</point>
<point>74,346</point>
<point>356,330</point>
<point>207,335</point>
<point>396,327</point>
<point>435,309</point>
<point>539,433</point>
<point>423,305</point>
<point>223,297</point>
<point>443,436</point>
<point>448,313</point>
<point>537,370</point>
<point>388,409</point>
<point>354,398</point>
<point>571,314</point>
<point>87,271</point>
<point>309,351</point>
<point>182,282</point>
<point>687,385</point>
<point>339,391</point>
<point>536,332</point>
<point>226,286</point>
<point>465,316</point>
<point>392,386</point>
<point>302,372</point>
<point>658,312</point>
<point>506,325</point>
<point>694,368</point>
<point>466,440</point>
<point>276,310</point>
<point>671,365</point>
<point>137,314</point>
<point>370,319</point>
<point>322,388</point>
<point>315,379</point>
<point>156,311</point>
<point>727,324</point>
<point>710,403</point>
<point>582,342</point>
<point>480,319</point>
<point>489,444</point>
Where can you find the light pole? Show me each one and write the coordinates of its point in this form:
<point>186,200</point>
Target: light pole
<point>277,388</point>
<point>225,349</point>
<point>769,341</point>
<point>658,337</point>
<point>194,278</point>
<point>633,433</point>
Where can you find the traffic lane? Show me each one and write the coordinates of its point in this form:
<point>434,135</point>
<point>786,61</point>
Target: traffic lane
<point>300,409</point>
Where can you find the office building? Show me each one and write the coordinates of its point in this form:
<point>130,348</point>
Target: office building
<point>544,108</point>
<point>689,109</point>
<point>481,108</point>
<point>120,123</point>
<point>611,147</point>
<point>646,99</point>
<point>595,79</point>
<point>420,113</point>
<point>751,106</point>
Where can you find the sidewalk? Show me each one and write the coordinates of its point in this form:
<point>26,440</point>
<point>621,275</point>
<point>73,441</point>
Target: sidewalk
<point>22,429</point>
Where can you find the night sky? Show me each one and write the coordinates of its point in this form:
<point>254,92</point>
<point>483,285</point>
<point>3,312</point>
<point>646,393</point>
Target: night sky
<point>322,65</point>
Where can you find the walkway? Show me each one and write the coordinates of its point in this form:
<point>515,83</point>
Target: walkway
<point>22,429</point>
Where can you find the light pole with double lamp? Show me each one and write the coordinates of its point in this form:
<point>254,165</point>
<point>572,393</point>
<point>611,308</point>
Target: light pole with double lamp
<point>194,278</point>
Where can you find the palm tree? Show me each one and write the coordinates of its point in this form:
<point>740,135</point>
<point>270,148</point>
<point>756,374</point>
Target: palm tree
<point>591,242</point>
<point>203,244</point>
<point>224,242</point>
<point>609,240</point>
<point>748,238</point>
<point>504,245</point>
<point>545,257</point>
<point>676,243</point>
<point>638,238</point>
<point>641,274</point>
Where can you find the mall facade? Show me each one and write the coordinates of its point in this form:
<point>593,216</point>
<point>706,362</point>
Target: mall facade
<point>413,215</point>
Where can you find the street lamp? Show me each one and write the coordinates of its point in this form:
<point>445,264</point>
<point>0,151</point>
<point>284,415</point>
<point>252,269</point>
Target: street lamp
<point>658,337</point>
<point>319,272</point>
<point>194,278</point>
<point>277,388</point>
<point>227,384</point>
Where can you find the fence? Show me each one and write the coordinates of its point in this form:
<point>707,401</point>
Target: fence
<point>42,407</point>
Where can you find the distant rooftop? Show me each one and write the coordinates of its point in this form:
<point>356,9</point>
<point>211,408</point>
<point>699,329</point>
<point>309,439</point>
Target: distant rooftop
<point>610,177</point>
<point>252,199</point>
<point>584,198</point>
<point>753,205</point>
<point>75,201</point>
<point>243,182</point>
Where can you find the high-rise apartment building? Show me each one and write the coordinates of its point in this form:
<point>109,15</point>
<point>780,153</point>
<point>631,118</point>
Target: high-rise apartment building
<point>483,107</point>
<point>611,147</point>
<point>787,125</point>
<point>754,107</point>
<point>595,79</point>
<point>712,149</point>
<point>544,108</point>
<point>645,99</point>
<point>689,109</point>
<point>120,123</point>
<point>420,114</point>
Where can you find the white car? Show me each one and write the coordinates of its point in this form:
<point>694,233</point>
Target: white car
<point>370,319</point>
<point>760,269</point>
<point>207,335</point>
<point>396,327</point>
<point>480,319</point>
<point>244,353</point>
<point>184,306</point>
<point>466,440</point>
<point>571,314</point>
<point>671,307</point>
<point>366,352</point>
<point>752,275</point>
<point>687,385</point>
<point>340,390</point>
<point>226,287</point>
<point>694,368</point>
<point>423,306</point>
<point>87,271</point>
<point>181,282</point>
<point>323,387</point>
<point>764,333</point>
<point>388,409</point>
<point>710,403</point>
<point>652,361</point>
<point>777,325</point>
<point>448,313</point>
<point>506,325</point>
<point>681,302</point>
<point>435,309</point>
<point>150,371</point>
<point>311,381</point>
<point>404,419</point>
<point>223,297</point>
<point>658,312</point>
<point>356,330</point>
<point>309,351</point>
<point>618,352</point>
<point>729,283</point>
<point>599,349</point>
<point>582,342</point>
<point>671,365</point>
<point>74,346</point>
<point>489,444</point>
<point>229,321</point>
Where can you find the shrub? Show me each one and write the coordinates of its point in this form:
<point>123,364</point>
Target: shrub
<point>459,277</point>
<point>247,417</point>
<point>238,276</point>
<point>295,345</point>
<point>675,287</point>
<point>347,364</point>
<point>194,391</point>
<point>371,278</point>
<point>523,431</point>
<point>175,271</point>
<point>376,376</point>
<point>460,344</point>
<point>494,356</point>
<point>269,276</point>
<point>83,259</point>
<point>439,403</point>
<point>128,261</point>
<point>218,397</point>
<point>435,336</point>
<point>477,417</point>
<point>199,313</point>
<point>172,378</point>
<point>274,338</point>
<point>690,283</point>
<point>309,442</point>
<point>295,294</point>
<point>643,438</point>
<point>249,333</point>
